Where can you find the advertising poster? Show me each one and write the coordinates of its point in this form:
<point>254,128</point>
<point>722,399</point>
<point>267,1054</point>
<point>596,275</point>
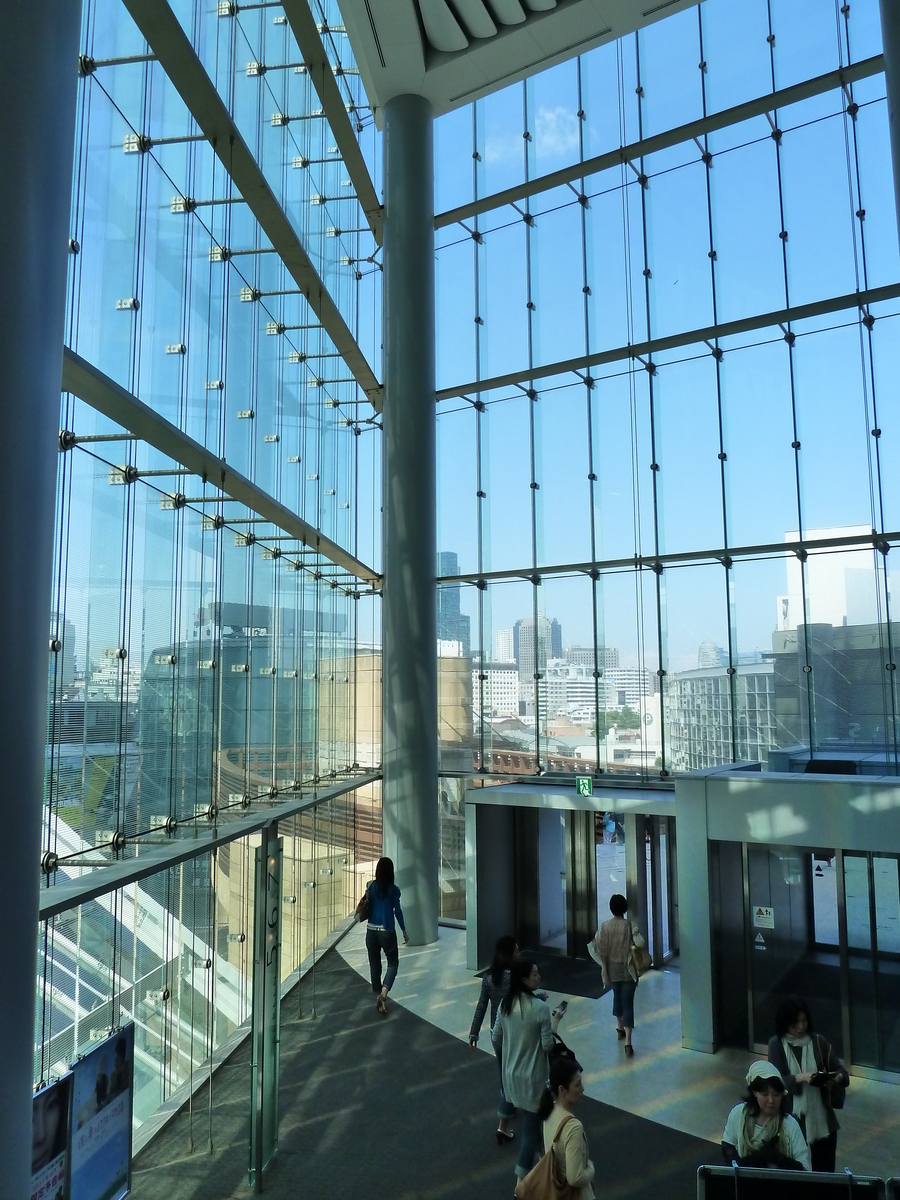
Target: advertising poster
<point>101,1119</point>
<point>50,1140</point>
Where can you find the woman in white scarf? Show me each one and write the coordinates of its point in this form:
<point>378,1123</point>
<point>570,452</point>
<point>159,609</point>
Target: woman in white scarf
<point>807,1064</point>
<point>757,1133</point>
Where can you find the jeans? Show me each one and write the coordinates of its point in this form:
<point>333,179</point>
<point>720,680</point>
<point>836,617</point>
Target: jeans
<point>376,941</point>
<point>623,1001</point>
<point>530,1133</point>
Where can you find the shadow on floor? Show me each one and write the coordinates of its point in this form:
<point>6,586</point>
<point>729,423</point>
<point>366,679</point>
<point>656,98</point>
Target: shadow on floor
<point>390,1106</point>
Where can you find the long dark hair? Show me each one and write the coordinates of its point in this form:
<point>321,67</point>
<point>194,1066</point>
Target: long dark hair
<point>384,875</point>
<point>562,1072</point>
<point>787,1013</point>
<point>504,953</point>
<point>518,973</point>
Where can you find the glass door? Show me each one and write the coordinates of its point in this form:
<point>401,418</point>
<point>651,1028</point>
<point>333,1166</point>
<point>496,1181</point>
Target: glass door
<point>872,907</point>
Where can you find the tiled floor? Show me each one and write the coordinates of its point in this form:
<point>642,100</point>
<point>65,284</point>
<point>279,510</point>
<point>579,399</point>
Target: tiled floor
<point>682,1089</point>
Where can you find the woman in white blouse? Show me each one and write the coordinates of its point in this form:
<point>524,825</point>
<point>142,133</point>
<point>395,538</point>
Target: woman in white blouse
<point>614,944</point>
<point>757,1133</point>
<point>563,1131</point>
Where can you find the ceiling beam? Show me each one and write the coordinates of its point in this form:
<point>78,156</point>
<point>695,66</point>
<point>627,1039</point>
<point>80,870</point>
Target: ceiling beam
<point>662,141</point>
<point>106,396</point>
<point>168,41</point>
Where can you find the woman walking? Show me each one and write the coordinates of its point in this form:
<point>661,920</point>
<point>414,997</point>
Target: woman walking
<point>757,1132</point>
<point>381,934</point>
<point>614,943</point>
<point>522,1035</point>
<point>494,986</point>
<point>563,1131</point>
<point>812,1073</point>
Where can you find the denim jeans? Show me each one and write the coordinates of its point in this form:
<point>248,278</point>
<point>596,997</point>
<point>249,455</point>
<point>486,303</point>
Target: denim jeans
<point>376,941</point>
<point>530,1133</point>
<point>623,1001</point>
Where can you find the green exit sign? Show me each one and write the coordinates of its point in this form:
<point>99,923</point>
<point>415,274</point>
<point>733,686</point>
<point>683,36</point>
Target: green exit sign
<point>584,785</point>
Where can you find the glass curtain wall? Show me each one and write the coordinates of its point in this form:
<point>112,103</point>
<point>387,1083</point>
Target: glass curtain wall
<point>667,455</point>
<point>174,953</point>
<point>673,556</point>
<point>204,661</point>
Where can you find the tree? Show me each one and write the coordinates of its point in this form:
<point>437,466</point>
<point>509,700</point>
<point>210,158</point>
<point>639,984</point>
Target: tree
<point>625,718</point>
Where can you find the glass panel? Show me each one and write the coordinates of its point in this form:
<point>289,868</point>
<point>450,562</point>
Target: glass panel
<point>863,1003</point>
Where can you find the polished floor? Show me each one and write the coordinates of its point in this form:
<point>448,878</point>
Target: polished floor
<point>680,1089</point>
<point>394,1107</point>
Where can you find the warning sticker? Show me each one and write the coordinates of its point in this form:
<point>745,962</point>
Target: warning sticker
<point>763,918</point>
<point>760,942</point>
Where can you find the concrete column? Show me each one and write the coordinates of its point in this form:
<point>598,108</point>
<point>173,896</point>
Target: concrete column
<point>37,97</point>
<point>409,612</point>
<point>890,36</point>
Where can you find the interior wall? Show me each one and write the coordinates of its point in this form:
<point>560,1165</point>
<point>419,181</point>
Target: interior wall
<point>495,879</point>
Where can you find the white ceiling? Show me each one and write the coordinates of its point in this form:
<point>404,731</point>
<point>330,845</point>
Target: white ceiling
<point>453,51</point>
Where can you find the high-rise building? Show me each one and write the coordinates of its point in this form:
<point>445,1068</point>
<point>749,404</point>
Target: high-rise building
<point>452,625</point>
<point>533,644</point>
<point>711,654</point>
<point>606,657</point>
<point>504,650</point>
<point>628,685</point>
<point>498,684</point>
<point>556,642</point>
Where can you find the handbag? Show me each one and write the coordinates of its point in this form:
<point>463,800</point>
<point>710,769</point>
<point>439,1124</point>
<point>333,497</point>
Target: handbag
<point>560,1051</point>
<point>362,908</point>
<point>543,1182</point>
<point>833,1093</point>
<point>640,957</point>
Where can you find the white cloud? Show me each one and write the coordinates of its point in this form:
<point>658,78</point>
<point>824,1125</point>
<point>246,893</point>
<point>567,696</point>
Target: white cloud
<point>555,135</point>
<point>556,131</point>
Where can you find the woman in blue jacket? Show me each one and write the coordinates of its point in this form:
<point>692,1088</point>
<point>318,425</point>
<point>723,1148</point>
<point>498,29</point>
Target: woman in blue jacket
<point>381,934</point>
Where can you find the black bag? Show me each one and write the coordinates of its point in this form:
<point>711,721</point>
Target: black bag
<point>833,1093</point>
<point>561,1051</point>
<point>362,909</point>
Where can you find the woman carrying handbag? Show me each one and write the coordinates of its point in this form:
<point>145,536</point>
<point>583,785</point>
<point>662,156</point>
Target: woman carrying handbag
<point>622,954</point>
<point>566,1171</point>
<point>814,1079</point>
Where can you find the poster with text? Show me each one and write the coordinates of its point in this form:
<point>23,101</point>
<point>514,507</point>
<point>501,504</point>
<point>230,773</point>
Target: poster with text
<point>101,1119</point>
<point>50,1140</point>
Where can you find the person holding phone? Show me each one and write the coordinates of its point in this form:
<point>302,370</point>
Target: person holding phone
<point>523,1037</point>
<point>814,1077</point>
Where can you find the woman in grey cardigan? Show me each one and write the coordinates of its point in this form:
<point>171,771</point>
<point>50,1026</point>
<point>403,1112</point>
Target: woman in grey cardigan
<point>522,1035</point>
<point>810,1071</point>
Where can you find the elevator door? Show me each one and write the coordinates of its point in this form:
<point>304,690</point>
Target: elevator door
<point>791,936</point>
<point>872,906</point>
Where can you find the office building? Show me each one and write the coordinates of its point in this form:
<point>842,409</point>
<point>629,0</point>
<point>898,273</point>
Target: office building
<point>453,626</point>
<point>343,344</point>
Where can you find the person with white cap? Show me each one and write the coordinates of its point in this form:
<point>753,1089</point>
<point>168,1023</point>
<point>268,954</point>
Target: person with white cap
<point>757,1133</point>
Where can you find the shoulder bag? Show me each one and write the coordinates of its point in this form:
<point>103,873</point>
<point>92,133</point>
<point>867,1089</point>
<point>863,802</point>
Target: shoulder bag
<point>362,909</point>
<point>640,957</point>
<point>833,1093</point>
<point>543,1182</point>
<point>561,1052</point>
